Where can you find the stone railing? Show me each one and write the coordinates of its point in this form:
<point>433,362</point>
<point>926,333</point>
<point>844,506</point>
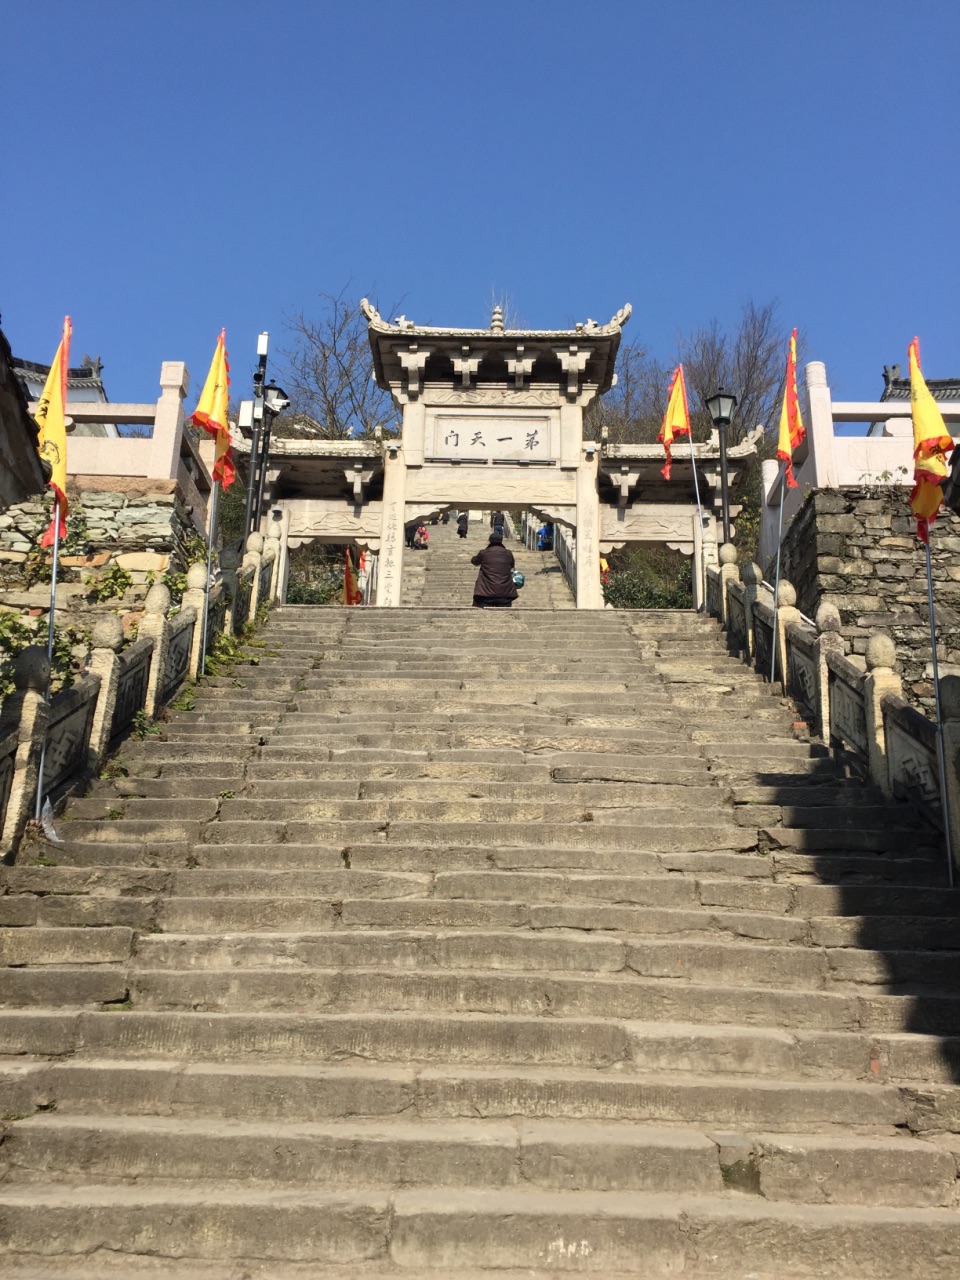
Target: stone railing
<point>77,729</point>
<point>854,705</point>
<point>565,549</point>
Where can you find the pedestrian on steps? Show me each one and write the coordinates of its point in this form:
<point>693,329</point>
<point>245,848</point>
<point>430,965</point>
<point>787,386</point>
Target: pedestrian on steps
<point>496,522</point>
<point>494,588</point>
<point>462,521</point>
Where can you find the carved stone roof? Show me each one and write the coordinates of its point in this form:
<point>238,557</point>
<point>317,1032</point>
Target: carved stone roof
<point>408,356</point>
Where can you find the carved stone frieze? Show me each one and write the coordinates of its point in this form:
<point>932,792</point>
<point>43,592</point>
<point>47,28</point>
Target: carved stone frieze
<point>507,397</point>
<point>848,714</point>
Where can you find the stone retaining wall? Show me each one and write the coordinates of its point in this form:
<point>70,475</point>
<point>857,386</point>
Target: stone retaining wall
<point>142,526</point>
<point>857,548</point>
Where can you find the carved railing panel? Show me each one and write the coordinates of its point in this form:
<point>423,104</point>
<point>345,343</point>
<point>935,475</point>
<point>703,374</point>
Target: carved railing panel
<point>68,733</point>
<point>266,581</point>
<point>241,601</point>
<point>714,592</point>
<point>132,686</point>
<point>216,613</point>
<point>179,646</point>
<point>762,638</point>
<point>802,665</point>
<point>737,638</point>
<point>912,762</point>
<point>8,759</point>
<point>848,708</point>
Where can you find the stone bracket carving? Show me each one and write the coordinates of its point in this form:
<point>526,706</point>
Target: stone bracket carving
<point>414,361</point>
<point>358,477</point>
<point>520,367</point>
<point>466,365</point>
<point>623,477</point>
<point>573,362</point>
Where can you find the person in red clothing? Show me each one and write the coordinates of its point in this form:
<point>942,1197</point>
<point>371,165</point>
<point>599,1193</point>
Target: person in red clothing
<point>494,588</point>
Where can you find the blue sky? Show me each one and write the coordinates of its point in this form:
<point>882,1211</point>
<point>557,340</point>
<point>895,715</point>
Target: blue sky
<point>172,168</point>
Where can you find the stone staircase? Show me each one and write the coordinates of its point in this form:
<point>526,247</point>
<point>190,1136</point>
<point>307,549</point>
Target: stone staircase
<point>443,943</point>
<point>442,576</point>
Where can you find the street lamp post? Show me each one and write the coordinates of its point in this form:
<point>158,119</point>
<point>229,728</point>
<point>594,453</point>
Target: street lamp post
<point>274,402</point>
<point>720,407</point>
<point>268,401</point>
<point>263,342</point>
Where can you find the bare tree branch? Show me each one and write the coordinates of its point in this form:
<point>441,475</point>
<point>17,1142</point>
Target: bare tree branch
<point>330,372</point>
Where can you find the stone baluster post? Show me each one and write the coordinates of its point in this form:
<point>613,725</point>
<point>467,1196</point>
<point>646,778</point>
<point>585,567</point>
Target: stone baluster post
<point>880,680</point>
<point>196,595</point>
<point>28,711</point>
<point>729,572</point>
<point>253,559</point>
<point>105,645</point>
<point>787,613</point>
<point>229,563</point>
<point>155,625</point>
<point>274,545</point>
<point>950,727</point>
<point>751,575</point>
<point>829,640</point>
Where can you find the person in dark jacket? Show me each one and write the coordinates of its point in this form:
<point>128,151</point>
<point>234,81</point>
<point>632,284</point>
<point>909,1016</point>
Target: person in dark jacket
<point>494,587</point>
<point>496,521</point>
<point>462,521</point>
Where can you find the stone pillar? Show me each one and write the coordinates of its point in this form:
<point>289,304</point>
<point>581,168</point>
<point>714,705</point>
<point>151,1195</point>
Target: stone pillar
<point>28,711</point>
<point>787,614</point>
<point>950,712</point>
<point>275,542</point>
<point>168,424</point>
<point>829,640</point>
<point>196,595</point>
<point>105,644</point>
<point>880,680</point>
<point>751,575</point>
<point>821,466</point>
<point>154,624</point>
<point>729,572</point>
<point>589,587</point>
<point>390,572</point>
<point>253,559</point>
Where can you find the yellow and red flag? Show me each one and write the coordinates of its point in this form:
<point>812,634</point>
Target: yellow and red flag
<point>931,444</point>
<point>212,410</point>
<point>676,421</point>
<point>51,417</point>
<point>351,588</point>
<point>792,430</point>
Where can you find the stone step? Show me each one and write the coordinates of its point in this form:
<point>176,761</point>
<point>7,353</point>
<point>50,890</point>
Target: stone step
<point>426,1229</point>
<point>527,1154</point>
<point>737,1095</point>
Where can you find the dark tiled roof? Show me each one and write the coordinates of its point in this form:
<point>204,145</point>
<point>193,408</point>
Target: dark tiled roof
<point>897,388</point>
<point>87,375</point>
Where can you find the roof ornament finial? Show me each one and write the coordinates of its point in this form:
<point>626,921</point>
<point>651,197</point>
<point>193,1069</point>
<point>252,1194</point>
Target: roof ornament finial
<point>496,320</point>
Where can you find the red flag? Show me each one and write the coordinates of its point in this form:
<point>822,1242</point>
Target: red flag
<point>676,421</point>
<point>351,589</point>
<point>212,409</point>
<point>931,443</point>
<point>792,430</point>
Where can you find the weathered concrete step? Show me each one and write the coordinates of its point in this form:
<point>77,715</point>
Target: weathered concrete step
<point>435,1153</point>
<point>682,837</point>
<point>852,840</point>
<point>552,1155</point>
<point>556,810</point>
<point>562,1000</point>
<point>425,1230</point>
<point>286,1090</point>
<point>451,790</point>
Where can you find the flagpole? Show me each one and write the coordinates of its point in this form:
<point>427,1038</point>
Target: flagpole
<point>696,482</point>
<point>211,533</point>
<point>776,580</point>
<point>50,636</point>
<point>941,755</point>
